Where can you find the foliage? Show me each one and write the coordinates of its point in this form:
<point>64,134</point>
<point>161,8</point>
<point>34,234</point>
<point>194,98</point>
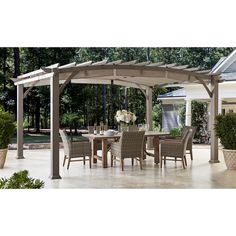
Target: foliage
<point>225,127</point>
<point>21,180</point>
<point>199,118</point>
<point>157,115</point>
<point>7,129</point>
<point>175,132</point>
<point>71,119</point>
<point>97,102</point>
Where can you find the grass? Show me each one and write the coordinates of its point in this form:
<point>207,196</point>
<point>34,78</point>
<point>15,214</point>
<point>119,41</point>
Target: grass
<point>42,138</point>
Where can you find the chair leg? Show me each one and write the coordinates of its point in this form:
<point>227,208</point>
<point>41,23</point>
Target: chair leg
<point>183,163</point>
<point>64,161</point>
<point>161,159</point>
<point>90,162</point>
<point>111,160</point>
<point>132,161</point>
<point>164,160</point>
<point>191,154</point>
<point>122,164</point>
<point>68,165</point>
<point>84,160</point>
<point>175,159</point>
<point>185,160</point>
<point>141,163</point>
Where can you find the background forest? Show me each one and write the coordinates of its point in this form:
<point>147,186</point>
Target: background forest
<point>90,103</point>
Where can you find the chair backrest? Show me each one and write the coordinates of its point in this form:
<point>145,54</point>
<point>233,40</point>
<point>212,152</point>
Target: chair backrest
<point>133,128</point>
<point>66,142</point>
<point>186,139</point>
<point>190,140</point>
<point>132,143</point>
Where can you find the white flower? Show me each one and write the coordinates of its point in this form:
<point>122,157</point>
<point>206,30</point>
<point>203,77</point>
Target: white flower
<point>125,116</point>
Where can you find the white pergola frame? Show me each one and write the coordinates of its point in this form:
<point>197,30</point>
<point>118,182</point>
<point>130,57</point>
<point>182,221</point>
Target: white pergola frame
<point>144,76</point>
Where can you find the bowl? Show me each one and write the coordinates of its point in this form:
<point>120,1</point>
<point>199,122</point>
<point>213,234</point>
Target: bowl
<point>109,132</point>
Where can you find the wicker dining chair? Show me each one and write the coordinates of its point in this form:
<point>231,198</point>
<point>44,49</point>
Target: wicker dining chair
<point>189,148</point>
<point>175,148</point>
<point>133,128</point>
<point>130,145</point>
<point>75,150</point>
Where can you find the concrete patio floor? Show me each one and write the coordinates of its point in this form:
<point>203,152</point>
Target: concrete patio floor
<point>199,173</point>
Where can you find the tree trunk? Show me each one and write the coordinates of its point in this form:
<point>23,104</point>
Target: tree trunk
<point>112,104</point>
<point>104,103</point>
<point>37,115</point>
<point>16,52</point>
<point>5,76</point>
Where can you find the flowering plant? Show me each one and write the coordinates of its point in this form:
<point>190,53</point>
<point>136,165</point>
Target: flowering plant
<point>123,116</point>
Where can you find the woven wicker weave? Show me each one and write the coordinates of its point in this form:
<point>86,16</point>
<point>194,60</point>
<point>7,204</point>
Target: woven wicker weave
<point>130,145</point>
<point>75,149</point>
<point>175,148</point>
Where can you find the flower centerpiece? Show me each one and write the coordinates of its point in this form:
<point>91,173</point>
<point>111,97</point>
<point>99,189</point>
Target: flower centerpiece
<point>125,118</point>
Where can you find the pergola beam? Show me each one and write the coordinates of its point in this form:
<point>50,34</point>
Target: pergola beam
<point>29,89</point>
<point>54,119</point>
<point>73,74</point>
<point>36,72</point>
<point>205,86</point>
<point>134,67</point>
<point>20,118</point>
<point>214,112</point>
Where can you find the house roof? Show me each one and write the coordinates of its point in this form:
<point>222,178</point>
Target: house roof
<point>179,93</point>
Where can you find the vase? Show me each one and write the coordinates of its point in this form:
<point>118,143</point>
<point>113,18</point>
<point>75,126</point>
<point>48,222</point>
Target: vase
<point>124,127</point>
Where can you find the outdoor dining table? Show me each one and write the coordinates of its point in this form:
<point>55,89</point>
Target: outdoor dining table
<point>103,139</point>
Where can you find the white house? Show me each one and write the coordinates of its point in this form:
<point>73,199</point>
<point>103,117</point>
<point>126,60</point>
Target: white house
<point>193,91</point>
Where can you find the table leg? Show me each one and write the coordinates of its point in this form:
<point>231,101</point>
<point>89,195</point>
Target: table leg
<point>94,151</point>
<point>144,148</point>
<point>156,142</point>
<point>104,153</point>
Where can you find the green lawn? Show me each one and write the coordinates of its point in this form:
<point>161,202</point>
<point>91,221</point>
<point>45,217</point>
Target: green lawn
<point>42,138</point>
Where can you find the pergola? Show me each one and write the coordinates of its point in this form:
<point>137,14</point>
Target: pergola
<point>142,75</point>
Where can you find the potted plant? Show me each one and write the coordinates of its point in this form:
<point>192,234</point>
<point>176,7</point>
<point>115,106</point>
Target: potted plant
<point>225,127</point>
<point>7,129</point>
<point>175,132</point>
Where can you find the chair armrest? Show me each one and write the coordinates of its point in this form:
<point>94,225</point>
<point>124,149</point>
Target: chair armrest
<point>170,141</point>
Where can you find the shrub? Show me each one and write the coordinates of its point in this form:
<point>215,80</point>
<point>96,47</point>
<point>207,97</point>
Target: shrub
<point>175,132</point>
<point>21,180</point>
<point>225,127</point>
<point>7,129</point>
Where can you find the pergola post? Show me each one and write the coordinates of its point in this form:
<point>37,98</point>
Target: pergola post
<point>188,113</point>
<point>54,119</point>
<point>20,117</point>
<point>214,113</point>
<point>149,118</point>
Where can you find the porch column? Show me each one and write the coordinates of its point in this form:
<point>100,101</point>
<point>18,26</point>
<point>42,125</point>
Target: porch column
<point>214,113</point>
<point>54,119</point>
<point>188,113</point>
<point>20,117</point>
<point>219,106</point>
<point>149,117</point>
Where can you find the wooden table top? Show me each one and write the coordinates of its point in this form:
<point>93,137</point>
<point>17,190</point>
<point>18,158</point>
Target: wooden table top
<point>100,136</point>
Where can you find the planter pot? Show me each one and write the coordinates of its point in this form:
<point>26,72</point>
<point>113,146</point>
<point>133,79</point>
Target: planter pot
<point>3,154</point>
<point>230,158</point>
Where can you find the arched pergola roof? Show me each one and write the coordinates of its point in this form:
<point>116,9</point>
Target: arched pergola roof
<point>130,74</point>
